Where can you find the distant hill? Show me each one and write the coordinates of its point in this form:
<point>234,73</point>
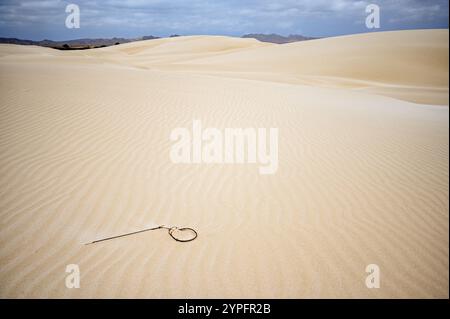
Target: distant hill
<point>16,41</point>
<point>82,44</point>
<point>276,38</point>
<point>78,44</point>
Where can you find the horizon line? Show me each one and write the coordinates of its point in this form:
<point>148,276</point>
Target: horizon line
<point>224,35</point>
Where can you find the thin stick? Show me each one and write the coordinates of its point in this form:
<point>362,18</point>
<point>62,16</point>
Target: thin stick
<point>123,235</point>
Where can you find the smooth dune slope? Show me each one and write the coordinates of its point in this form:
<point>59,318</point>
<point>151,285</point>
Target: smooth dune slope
<point>401,57</point>
<point>160,52</point>
<point>362,178</point>
<point>409,65</point>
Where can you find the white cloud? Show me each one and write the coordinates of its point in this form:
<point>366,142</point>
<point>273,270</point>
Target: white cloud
<point>222,16</point>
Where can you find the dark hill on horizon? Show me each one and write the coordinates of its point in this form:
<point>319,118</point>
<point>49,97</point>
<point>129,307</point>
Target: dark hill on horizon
<point>87,43</point>
<point>276,38</point>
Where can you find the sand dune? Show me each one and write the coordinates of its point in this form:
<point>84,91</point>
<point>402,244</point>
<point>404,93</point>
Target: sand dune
<point>362,178</point>
<point>406,65</point>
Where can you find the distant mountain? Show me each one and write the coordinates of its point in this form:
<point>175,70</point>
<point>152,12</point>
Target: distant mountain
<point>149,37</point>
<point>276,38</point>
<point>82,44</point>
<point>16,41</point>
<point>78,44</point>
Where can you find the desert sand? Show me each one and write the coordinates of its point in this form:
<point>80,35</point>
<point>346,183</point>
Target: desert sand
<point>362,178</point>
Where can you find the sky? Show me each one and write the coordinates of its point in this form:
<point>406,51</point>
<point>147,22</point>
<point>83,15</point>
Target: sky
<point>45,19</point>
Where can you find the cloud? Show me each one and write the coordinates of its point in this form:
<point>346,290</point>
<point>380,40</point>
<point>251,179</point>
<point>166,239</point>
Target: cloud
<point>161,17</point>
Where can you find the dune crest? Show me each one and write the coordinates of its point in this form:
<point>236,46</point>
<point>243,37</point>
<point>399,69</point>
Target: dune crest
<point>408,65</point>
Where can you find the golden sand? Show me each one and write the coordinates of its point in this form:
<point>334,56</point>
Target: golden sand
<point>362,176</point>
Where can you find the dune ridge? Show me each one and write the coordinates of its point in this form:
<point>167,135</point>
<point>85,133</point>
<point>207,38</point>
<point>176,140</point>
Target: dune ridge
<point>362,178</point>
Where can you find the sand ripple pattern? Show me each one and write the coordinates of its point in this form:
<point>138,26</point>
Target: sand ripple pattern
<point>84,153</point>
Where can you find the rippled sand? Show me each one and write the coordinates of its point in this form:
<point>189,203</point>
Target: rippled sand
<point>362,177</point>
